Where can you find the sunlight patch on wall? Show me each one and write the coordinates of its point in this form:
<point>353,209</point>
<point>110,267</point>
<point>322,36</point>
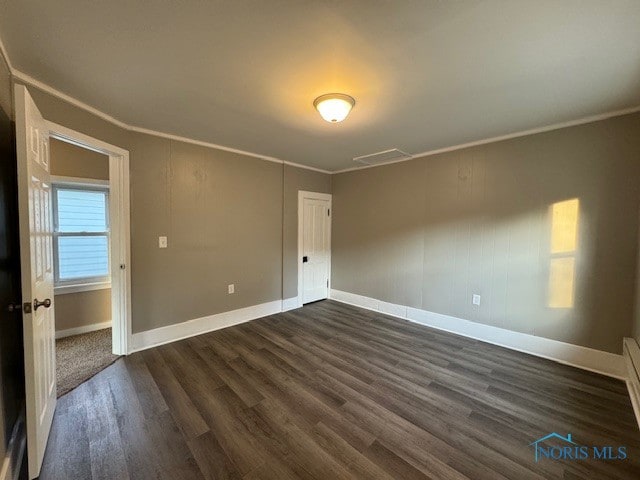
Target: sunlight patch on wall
<point>564,226</point>
<point>564,241</point>
<point>561,278</point>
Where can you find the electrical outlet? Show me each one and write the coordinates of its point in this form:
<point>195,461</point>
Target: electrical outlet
<point>231,288</point>
<point>162,242</point>
<point>476,299</point>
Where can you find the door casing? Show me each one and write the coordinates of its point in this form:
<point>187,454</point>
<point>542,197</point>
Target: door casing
<point>302,194</point>
<point>120,233</point>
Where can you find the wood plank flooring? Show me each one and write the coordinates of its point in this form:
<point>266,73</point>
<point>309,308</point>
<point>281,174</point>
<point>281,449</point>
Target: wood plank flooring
<point>331,391</point>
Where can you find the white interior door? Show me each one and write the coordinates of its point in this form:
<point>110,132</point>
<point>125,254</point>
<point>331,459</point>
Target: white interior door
<point>316,249</point>
<point>36,259</point>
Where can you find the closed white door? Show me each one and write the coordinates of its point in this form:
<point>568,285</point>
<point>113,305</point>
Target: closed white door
<point>316,251</point>
<point>36,260</point>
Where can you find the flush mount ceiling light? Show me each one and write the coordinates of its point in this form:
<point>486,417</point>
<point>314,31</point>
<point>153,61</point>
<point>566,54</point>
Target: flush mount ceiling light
<point>334,107</point>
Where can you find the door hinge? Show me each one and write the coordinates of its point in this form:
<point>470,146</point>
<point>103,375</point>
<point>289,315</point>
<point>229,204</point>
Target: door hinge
<point>328,212</point>
<point>327,283</point>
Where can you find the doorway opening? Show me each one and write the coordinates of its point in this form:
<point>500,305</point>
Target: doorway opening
<point>106,185</point>
<point>81,238</point>
<point>314,246</point>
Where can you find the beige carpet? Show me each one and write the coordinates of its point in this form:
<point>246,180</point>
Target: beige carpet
<point>80,357</point>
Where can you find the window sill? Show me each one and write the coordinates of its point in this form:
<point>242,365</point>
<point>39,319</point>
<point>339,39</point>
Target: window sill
<point>81,287</point>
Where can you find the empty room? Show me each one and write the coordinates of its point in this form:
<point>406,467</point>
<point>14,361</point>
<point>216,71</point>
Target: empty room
<point>320,239</point>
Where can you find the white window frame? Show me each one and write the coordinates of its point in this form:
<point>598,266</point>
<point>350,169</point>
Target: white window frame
<point>87,284</point>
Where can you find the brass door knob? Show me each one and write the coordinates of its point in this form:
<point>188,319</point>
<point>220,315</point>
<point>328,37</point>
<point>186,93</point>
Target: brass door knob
<point>46,303</point>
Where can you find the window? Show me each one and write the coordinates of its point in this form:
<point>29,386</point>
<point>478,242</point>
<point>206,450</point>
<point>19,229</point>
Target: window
<point>81,236</point>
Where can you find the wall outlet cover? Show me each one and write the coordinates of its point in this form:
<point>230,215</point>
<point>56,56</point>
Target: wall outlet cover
<point>476,299</point>
<point>231,288</point>
<point>162,242</point>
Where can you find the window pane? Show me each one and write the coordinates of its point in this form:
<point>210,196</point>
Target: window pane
<point>82,210</point>
<point>83,256</point>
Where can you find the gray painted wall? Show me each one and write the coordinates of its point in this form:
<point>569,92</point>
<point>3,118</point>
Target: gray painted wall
<point>222,214</point>
<point>6,93</point>
<point>80,309</point>
<point>426,233</point>
<point>74,310</point>
<point>431,232</point>
<point>69,160</point>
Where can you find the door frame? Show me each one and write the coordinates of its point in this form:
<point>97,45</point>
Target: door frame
<point>302,194</point>
<point>120,230</point>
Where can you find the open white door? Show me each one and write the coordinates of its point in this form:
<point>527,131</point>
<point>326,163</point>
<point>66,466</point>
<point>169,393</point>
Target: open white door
<point>36,259</point>
<point>316,245</point>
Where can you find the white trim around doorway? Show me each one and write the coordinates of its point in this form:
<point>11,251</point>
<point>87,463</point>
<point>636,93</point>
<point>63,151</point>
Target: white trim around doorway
<point>317,196</point>
<point>119,220</point>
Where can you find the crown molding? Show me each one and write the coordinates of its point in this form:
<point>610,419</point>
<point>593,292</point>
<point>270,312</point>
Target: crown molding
<point>28,79</point>
<point>84,106</point>
<point>5,55</point>
<point>509,136</point>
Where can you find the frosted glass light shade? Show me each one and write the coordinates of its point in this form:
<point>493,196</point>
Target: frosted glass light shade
<point>334,107</point>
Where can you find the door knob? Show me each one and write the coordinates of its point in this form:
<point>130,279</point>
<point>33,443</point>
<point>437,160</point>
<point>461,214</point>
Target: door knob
<point>46,303</point>
<point>305,259</point>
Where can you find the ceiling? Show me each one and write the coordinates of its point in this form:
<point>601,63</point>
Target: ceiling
<point>243,74</point>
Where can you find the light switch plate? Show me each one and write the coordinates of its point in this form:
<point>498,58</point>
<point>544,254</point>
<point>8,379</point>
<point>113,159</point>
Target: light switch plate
<point>231,288</point>
<point>162,242</point>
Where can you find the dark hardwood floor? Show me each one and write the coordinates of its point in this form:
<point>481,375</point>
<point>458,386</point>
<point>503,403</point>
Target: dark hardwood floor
<point>331,391</point>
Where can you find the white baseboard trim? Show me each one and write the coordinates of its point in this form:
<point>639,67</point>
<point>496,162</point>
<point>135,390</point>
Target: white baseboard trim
<point>290,304</point>
<point>84,329</point>
<point>631,353</point>
<point>585,358</point>
<point>10,468</point>
<point>197,326</point>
